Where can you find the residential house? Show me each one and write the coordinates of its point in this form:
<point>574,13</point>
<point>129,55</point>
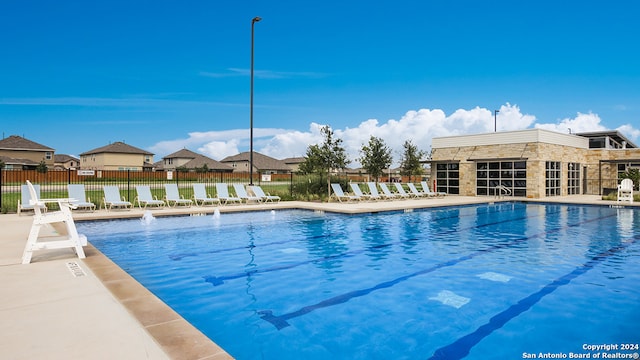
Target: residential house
<point>262,164</point>
<point>294,162</point>
<point>17,152</point>
<point>63,162</point>
<point>187,159</point>
<point>116,156</point>
<point>533,163</point>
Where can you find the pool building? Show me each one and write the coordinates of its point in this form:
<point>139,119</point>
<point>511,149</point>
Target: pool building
<point>532,163</point>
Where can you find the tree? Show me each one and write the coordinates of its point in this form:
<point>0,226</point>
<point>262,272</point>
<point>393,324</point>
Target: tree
<point>375,157</point>
<point>203,169</point>
<point>325,157</point>
<point>42,167</point>
<point>410,165</point>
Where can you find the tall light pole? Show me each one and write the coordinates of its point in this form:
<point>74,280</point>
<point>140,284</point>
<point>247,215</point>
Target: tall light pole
<point>495,120</point>
<point>253,22</point>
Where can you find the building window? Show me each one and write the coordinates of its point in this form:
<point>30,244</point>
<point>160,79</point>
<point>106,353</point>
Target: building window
<point>510,174</point>
<point>448,178</point>
<point>573,179</point>
<point>553,173</point>
<point>48,155</point>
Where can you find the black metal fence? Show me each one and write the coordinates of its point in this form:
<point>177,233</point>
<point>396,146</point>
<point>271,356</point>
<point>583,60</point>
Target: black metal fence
<point>53,184</point>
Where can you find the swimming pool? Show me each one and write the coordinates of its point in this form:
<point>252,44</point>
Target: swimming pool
<point>501,281</point>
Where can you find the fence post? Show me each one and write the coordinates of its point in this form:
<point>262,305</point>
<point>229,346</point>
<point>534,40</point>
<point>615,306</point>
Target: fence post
<point>128,184</point>
<point>291,183</point>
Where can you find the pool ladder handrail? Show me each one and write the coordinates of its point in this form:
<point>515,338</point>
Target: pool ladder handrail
<point>501,191</point>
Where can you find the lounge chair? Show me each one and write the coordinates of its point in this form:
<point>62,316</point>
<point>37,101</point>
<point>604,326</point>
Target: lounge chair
<point>266,197</point>
<point>25,195</point>
<point>61,221</point>
<point>357,191</point>
<point>400,190</point>
<point>223,194</point>
<point>373,191</point>
<point>145,198</point>
<point>201,197</point>
<point>414,190</point>
<point>625,191</point>
<point>112,198</point>
<point>425,188</point>
<point>341,195</point>
<point>387,193</point>
<point>241,192</point>
<point>173,196</point>
<point>79,197</point>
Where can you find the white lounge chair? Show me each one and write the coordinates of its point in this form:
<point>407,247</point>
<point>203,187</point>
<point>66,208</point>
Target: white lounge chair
<point>373,190</point>
<point>241,192</point>
<point>79,197</point>
<point>414,190</point>
<point>425,188</point>
<point>112,198</point>
<point>387,193</point>
<point>223,194</point>
<point>173,196</point>
<point>341,195</point>
<point>400,190</point>
<point>625,191</point>
<point>357,191</point>
<point>145,198</point>
<point>201,197</point>
<point>25,196</point>
<point>266,197</point>
<point>61,221</point>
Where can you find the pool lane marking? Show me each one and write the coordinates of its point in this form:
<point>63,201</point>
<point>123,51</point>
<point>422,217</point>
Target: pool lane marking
<point>461,347</point>
<point>280,321</point>
<point>180,256</point>
<point>219,280</point>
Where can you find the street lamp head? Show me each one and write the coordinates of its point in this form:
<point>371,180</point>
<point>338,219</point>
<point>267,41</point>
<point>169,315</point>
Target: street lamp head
<point>256,19</point>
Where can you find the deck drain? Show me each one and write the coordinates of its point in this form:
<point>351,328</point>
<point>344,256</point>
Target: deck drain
<point>75,269</point>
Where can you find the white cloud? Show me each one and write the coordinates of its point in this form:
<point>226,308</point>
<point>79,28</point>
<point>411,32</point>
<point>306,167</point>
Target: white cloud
<point>581,123</point>
<point>419,126</point>
<point>629,131</point>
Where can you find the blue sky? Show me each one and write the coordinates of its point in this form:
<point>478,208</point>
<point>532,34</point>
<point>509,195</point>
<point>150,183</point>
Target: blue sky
<point>163,75</point>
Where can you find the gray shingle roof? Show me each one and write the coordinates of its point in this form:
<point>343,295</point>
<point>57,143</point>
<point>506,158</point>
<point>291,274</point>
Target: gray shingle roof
<point>182,153</point>
<point>12,161</point>
<point>119,148</point>
<point>61,158</point>
<point>15,142</point>
<point>201,160</point>
<point>260,161</point>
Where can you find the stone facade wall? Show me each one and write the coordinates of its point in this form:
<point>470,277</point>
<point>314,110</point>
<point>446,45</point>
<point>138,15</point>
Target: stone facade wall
<point>598,175</point>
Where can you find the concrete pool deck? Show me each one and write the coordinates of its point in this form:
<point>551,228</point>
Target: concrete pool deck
<point>62,307</point>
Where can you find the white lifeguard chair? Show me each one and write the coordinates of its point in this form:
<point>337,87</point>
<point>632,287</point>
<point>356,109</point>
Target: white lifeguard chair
<point>61,221</point>
<point>625,191</point>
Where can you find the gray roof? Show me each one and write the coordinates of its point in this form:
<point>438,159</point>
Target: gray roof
<point>182,153</point>
<point>198,160</point>
<point>260,161</point>
<point>294,160</point>
<point>201,160</point>
<point>15,142</point>
<point>12,161</point>
<point>118,148</point>
<point>61,158</point>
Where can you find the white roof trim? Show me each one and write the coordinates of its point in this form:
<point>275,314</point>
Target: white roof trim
<point>511,137</point>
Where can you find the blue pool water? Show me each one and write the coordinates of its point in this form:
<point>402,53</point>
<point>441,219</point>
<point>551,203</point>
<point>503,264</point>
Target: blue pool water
<point>496,281</point>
